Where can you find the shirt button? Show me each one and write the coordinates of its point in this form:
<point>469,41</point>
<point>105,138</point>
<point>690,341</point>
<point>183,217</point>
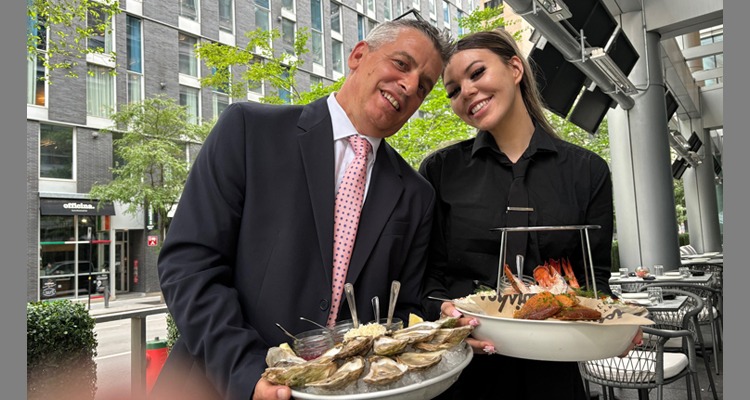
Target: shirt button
<point>323,305</point>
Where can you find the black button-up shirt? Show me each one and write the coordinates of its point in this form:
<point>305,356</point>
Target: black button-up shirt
<point>567,185</point>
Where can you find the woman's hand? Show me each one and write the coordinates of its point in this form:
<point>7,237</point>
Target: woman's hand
<point>637,341</point>
<point>479,346</point>
<point>265,390</point>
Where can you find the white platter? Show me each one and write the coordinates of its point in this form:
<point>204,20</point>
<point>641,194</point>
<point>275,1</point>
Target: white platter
<point>423,390</point>
<point>553,340</point>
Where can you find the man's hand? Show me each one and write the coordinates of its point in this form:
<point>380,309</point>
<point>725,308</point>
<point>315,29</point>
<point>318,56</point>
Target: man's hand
<point>265,390</point>
<point>479,346</point>
<point>637,341</point>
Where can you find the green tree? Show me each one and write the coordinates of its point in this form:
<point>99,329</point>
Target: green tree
<point>598,143</point>
<point>234,67</point>
<point>73,24</point>
<point>152,149</point>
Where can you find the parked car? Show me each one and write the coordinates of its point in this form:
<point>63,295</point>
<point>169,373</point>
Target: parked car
<point>58,279</point>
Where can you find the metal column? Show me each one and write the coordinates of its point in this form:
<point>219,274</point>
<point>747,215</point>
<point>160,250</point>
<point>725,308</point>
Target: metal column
<point>138,357</point>
<point>641,165</point>
<point>700,194</point>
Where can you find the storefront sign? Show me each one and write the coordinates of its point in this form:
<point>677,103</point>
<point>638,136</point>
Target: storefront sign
<point>49,289</point>
<point>75,207</point>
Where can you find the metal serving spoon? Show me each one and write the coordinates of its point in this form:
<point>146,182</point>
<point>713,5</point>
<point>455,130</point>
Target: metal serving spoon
<point>314,323</point>
<point>349,290</point>
<point>395,287</point>
<point>286,332</point>
<point>376,308</point>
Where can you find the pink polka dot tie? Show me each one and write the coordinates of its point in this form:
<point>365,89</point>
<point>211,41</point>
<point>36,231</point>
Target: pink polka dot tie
<point>346,219</point>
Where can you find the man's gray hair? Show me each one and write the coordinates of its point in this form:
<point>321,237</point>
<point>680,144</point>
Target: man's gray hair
<point>386,32</point>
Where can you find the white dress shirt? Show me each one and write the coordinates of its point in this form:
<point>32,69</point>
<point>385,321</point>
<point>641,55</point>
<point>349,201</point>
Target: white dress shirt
<point>343,152</point>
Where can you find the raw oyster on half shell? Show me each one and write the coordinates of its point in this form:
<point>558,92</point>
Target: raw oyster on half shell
<point>283,356</point>
<point>445,338</point>
<point>388,346</point>
<point>420,361</point>
<point>300,374</point>
<point>359,345</point>
<point>345,374</point>
<point>384,370</point>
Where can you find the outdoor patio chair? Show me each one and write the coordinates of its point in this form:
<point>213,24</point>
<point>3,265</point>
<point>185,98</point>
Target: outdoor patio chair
<point>687,250</point>
<point>686,318</point>
<point>648,366</point>
<point>711,314</point>
<point>717,269</point>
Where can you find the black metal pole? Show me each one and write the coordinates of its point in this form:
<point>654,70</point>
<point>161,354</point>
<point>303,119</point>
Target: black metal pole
<point>89,290</point>
<point>91,263</point>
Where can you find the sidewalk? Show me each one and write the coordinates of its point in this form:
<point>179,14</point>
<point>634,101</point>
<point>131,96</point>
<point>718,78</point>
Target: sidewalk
<point>123,302</point>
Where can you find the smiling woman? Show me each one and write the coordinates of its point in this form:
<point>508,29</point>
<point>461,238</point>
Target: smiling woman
<point>516,172</point>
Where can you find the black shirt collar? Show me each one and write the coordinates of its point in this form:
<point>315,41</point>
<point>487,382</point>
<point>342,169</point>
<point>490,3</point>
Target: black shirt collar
<point>541,141</point>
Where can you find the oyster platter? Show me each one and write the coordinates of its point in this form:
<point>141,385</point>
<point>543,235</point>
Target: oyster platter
<point>416,362</point>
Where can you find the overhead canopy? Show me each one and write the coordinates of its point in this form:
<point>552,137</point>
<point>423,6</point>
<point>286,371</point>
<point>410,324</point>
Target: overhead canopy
<point>75,207</point>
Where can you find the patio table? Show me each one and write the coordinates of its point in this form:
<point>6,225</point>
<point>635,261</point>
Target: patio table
<point>633,283</point>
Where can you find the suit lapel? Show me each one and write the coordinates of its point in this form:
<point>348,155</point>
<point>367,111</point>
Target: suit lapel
<point>316,147</point>
<point>383,194</point>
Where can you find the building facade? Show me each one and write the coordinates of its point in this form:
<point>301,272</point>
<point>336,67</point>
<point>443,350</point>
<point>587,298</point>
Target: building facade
<point>76,246</point>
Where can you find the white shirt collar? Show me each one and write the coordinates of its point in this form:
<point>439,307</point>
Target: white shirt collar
<point>343,127</point>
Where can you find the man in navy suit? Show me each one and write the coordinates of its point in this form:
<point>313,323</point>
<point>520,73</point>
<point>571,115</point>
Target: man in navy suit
<point>251,243</point>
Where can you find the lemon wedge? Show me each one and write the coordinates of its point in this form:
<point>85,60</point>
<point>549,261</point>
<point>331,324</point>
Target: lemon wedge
<point>414,319</point>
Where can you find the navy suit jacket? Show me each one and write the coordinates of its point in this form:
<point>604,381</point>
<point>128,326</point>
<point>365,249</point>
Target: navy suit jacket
<point>251,244</point>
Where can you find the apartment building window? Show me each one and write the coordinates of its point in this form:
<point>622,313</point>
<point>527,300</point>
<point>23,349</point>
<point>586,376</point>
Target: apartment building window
<point>361,28</point>
<point>189,9</point>
<point>55,151</point>
<point>398,7</point>
<point>287,35</point>
<point>35,69</point>
<point>284,93</point>
<point>446,14</point>
<point>460,28</point>
<point>262,15</point>
<point>337,55</point>
<point>387,8</point>
<point>255,88</point>
<point>315,81</point>
<point>226,15</point>
<point>316,19</point>
<point>100,40</point>
<point>336,18</point>
<point>716,60</point>
<point>371,7</point>
<point>220,102</point>
<point>493,3</point>
<point>190,98</point>
<point>188,59</point>
<point>288,5</point>
<point>433,9</point>
<point>100,91</point>
<point>370,25</point>
<point>134,59</point>
<point>220,96</point>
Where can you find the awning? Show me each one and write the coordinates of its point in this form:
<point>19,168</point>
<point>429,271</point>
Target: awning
<point>75,207</point>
